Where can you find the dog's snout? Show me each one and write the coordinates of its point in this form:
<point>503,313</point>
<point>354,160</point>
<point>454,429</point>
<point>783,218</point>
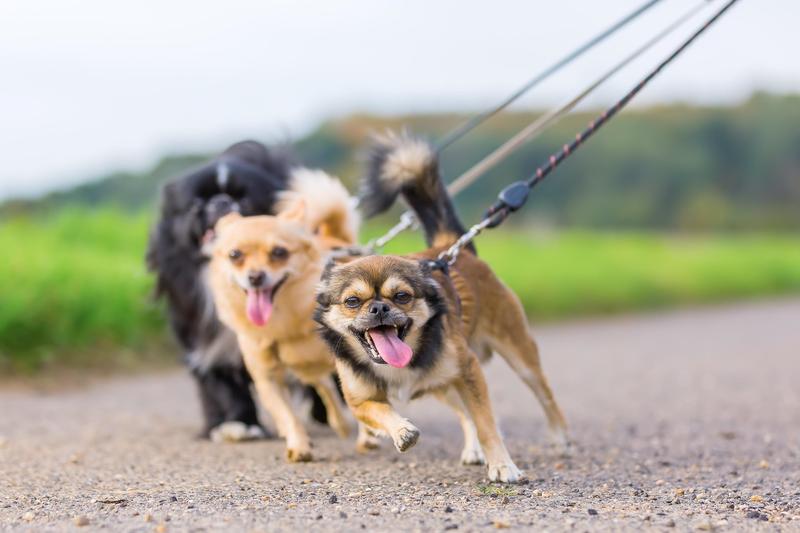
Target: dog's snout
<point>256,278</point>
<point>378,308</point>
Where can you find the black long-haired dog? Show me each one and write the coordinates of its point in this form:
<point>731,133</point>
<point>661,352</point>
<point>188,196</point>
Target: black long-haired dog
<point>247,178</point>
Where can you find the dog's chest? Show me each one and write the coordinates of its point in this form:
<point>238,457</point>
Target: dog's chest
<point>404,384</point>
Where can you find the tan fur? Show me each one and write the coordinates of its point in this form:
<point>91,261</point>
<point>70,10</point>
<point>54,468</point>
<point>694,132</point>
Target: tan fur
<point>288,341</point>
<point>410,159</point>
<point>484,315</point>
<point>327,205</point>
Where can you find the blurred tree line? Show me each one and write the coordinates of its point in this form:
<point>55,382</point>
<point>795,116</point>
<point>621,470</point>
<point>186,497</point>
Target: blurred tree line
<point>674,167</point>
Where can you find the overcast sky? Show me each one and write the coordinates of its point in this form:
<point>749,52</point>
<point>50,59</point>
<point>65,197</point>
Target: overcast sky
<point>94,85</point>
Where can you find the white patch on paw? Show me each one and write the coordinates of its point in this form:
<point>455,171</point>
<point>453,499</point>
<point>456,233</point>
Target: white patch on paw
<point>256,433</point>
<point>473,456</point>
<point>235,431</point>
<point>504,473</point>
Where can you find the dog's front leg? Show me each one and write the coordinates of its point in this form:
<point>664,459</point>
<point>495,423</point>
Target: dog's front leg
<point>371,408</point>
<point>327,392</point>
<point>381,416</point>
<point>267,377</point>
<point>475,395</point>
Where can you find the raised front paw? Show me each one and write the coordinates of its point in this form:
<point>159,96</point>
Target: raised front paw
<point>405,438</point>
<point>504,472</point>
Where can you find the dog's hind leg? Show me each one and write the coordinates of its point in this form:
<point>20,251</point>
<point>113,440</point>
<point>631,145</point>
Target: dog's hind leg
<point>511,338</point>
<point>326,389</point>
<point>472,453</point>
<point>366,440</point>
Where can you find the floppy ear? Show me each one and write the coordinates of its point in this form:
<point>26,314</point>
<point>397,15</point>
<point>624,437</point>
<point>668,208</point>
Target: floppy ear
<point>227,220</point>
<point>295,212</point>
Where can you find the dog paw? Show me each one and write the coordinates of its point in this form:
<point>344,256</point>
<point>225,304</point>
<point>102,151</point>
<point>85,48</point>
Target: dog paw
<point>298,455</point>
<point>405,438</point>
<point>235,431</point>
<point>473,456</point>
<point>504,473</point>
<point>561,442</point>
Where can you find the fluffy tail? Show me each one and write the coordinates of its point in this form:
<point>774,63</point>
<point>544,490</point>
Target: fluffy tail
<point>399,164</point>
<point>328,209</point>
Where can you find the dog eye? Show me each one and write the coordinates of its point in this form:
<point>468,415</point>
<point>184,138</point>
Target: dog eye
<point>279,252</point>
<point>352,302</point>
<point>402,297</point>
<point>235,254</point>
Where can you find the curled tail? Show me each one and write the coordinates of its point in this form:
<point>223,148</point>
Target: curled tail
<point>327,208</point>
<point>399,164</point>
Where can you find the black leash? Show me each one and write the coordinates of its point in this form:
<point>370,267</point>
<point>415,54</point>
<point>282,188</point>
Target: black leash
<point>515,195</point>
<point>459,131</point>
<point>536,127</point>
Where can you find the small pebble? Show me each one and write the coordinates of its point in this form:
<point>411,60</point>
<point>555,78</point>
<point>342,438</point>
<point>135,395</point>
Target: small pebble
<point>448,509</point>
<point>161,528</point>
<point>500,524</point>
<point>342,514</point>
<point>29,516</point>
<point>333,499</point>
<point>80,521</point>
<point>147,517</point>
<point>755,498</point>
<point>592,512</point>
<point>670,523</point>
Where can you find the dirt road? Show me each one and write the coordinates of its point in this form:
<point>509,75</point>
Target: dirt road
<point>682,421</point>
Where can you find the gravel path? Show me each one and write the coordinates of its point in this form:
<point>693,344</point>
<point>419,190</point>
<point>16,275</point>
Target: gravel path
<point>682,421</point>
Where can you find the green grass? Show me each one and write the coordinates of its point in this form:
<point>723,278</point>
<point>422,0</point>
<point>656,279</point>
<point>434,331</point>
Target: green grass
<point>73,289</point>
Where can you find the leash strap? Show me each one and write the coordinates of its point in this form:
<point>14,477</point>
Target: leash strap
<point>459,131</point>
<point>515,195</point>
<point>533,129</point>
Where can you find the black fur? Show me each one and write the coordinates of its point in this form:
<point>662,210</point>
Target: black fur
<point>255,175</point>
<point>425,192</point>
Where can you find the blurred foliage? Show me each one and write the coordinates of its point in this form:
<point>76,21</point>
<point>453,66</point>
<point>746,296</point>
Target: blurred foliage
<point>671,167</point>
<point>74,290</point>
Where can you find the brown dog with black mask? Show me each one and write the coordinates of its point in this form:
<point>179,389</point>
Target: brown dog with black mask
<point>401,329</point>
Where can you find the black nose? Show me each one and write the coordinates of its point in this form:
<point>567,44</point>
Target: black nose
<point>377,308</point>
<point>256,278</point>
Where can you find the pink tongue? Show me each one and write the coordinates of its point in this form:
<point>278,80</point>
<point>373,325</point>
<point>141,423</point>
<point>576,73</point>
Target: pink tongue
<point>259,306</point>
<point>390,347</point>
